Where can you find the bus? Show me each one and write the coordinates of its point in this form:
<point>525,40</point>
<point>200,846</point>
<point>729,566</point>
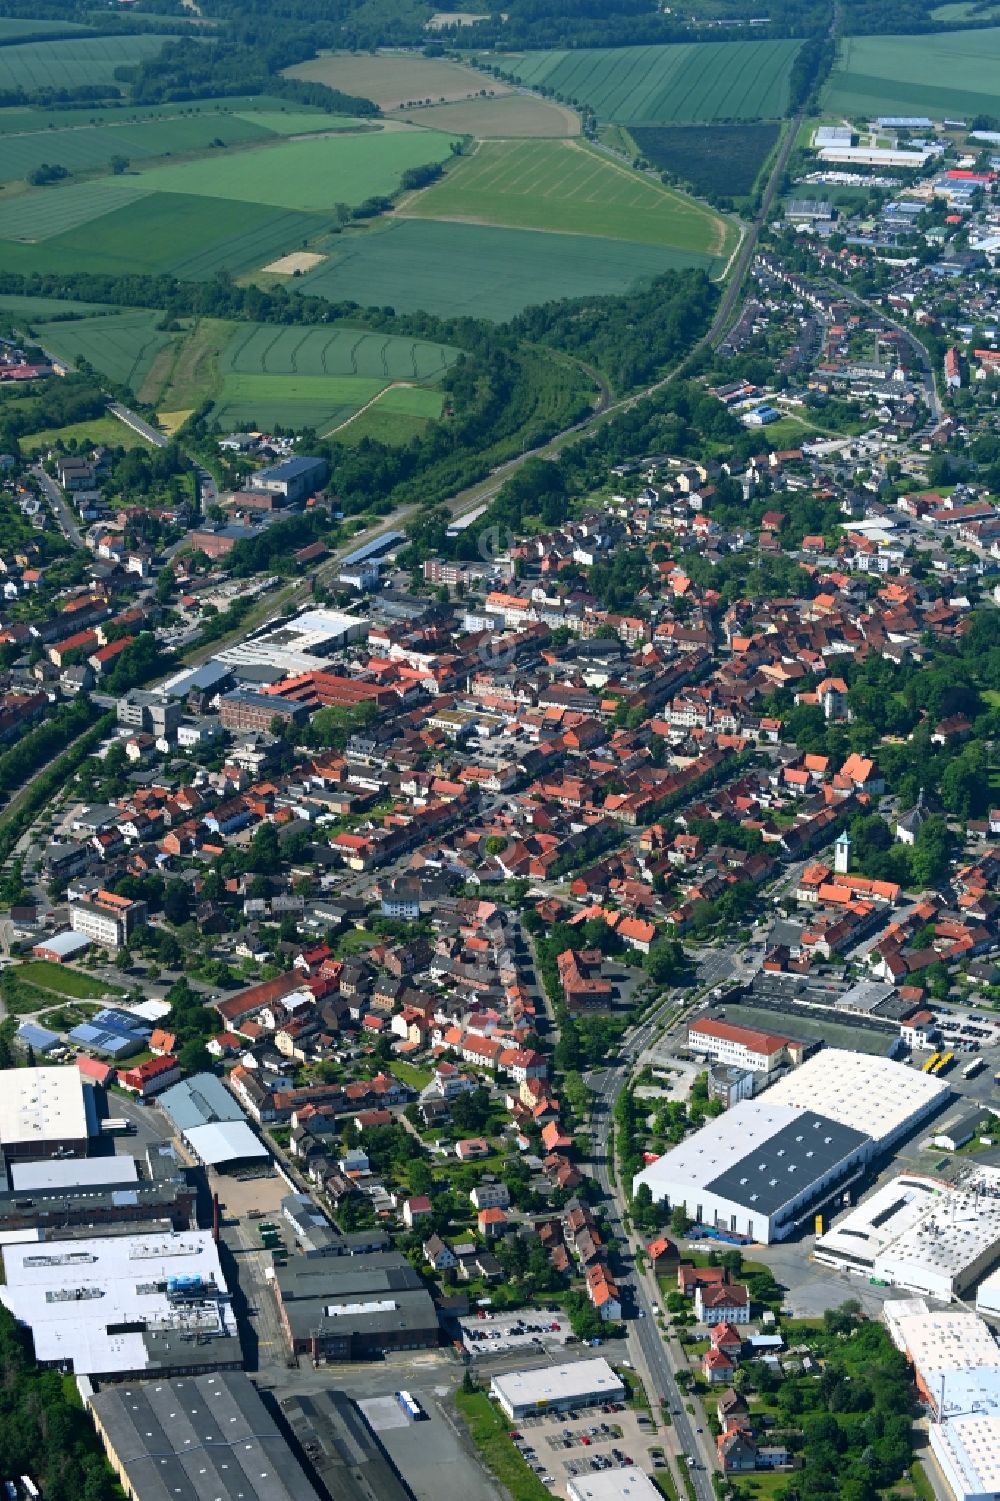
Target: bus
<point>972,1069</point>
<point>931,1065</point>
<point>116,1125</point>
<point>944,1063</point>
<point>410,1406</point>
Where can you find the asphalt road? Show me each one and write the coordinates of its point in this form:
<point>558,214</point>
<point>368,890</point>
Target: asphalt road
<point>639,1292</point>
<point>54,495</point>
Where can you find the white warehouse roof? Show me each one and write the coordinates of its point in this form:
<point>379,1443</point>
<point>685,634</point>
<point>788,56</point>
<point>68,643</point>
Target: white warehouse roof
<point>968,1451</point>
<point>629,1484</point>
<point>72,1293</point>
<point>556,1383</point>
<point>39,1106</point>
<point>224,1141</point>
<point>920,1233</point>
<point>860,1090</point>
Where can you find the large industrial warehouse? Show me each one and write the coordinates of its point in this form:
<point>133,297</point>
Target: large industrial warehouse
<point>920,1234</point>
<point>765,1165</point>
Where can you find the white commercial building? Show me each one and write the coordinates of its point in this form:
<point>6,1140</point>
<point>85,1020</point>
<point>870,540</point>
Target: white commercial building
<point>988,1296</point>
<point>556,1388</point>
<point>43,1113</point>
<point>921,1234</point>
<point>968,1451</point>
<point>956,1366</point>
<point>629,1484</point>
<point>874,156</point>
<point>884,1099</point>
<point>304,644</point>
<point>955,1359</point>
<point>768,1163</point>
<point>123,1304</point>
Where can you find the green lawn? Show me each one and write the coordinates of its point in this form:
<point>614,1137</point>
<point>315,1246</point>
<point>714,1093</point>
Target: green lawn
<point>66,981</point>
<point>106,430</point>
<point>570,188</point>
<point>470,269</point>
<point>490,1431</point>
<point>310,176</point>
<point>410,1074</point>
<point>952,74</point>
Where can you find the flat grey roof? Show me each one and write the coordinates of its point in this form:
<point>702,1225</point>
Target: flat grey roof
<point>199,1437</point>
<point>783,1167</point>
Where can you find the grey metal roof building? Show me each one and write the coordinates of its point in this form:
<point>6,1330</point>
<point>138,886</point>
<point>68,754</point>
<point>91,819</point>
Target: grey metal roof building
<point>201,1100</point>
<point>346,1460</point>
<point>194,1438</point>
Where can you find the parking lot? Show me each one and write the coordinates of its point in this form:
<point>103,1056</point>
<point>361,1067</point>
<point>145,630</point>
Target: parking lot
<point>560,1446</point>
<point>524,1333</point>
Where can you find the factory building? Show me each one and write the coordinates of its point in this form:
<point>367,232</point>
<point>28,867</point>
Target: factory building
<point>769,1163</point>
<point>557,1388</point>
<point>125,1305</point>
<point>354,1307</point>
<point>956,1367</point>
<point>44,1112</point>
<point>62,1192</point>
<point>197,1436</point>
<point>920,1234</point>
<point>628,1484</point>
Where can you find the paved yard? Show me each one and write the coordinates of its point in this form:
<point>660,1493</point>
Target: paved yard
<point>529,1332</point>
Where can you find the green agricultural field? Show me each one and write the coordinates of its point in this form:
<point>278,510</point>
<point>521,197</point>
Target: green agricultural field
<point>309,176</point>
<point>400,413</point>
<point>952,73</point>
<point>48,212</point>
<point>268,350</point>
<point>569,188</point>
<point>188,237</point>
<point>11,28</point>
<point>25,312</point>
<point>91,148</point>
<point>478,271</point>
<point>294,401</point>
<point>18,121</point>
<point>719,160</point>
<point>35,66</point>
<point>300,122</point>
<point>122,346</point>
<point>676,83</point>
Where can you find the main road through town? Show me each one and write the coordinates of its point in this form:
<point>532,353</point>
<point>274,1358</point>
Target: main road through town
<point>639,1291</point>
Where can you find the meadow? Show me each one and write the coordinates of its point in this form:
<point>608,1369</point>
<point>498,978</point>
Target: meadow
<point>953,73</point>
<point>27,311</point>
<point>30,118</point>
<point>396,80</point>
<point>569,188</point>
<point>99,430</point>
<point>675,83</point>
<point>37,66</point>
<point>306,175</point>
<point>11,28</point>
<point>481,272</point>
<point>122,346</point>
<point>719,160</point>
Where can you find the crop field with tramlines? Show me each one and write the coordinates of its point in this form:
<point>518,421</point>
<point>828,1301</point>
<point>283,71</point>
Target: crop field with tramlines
<point>676,83</point>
